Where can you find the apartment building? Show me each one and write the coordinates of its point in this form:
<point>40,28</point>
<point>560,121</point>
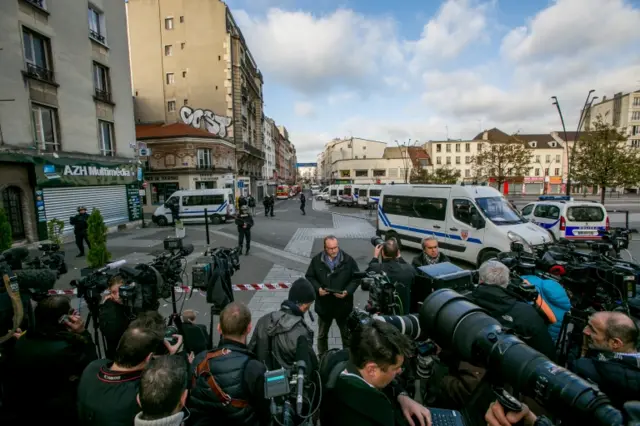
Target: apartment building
<point>268,147</point>
<point>348,149</point>
<point>191,69</point>
<point>622,112</point>
<point>66,114</point>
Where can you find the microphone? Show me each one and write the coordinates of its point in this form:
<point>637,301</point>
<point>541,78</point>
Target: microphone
<point>186,250</point>
<point>302,362</point>
<point>112,265</point>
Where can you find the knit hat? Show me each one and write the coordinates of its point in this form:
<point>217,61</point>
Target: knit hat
<point>302,292</point>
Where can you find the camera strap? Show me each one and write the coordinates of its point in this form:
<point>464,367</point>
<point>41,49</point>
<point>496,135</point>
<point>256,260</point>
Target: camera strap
<point>204,368</point>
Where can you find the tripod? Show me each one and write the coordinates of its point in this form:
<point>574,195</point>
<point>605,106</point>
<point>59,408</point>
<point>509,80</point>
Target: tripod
<point>215,311</point>
<point>567,337</point>
<point>93,309</point>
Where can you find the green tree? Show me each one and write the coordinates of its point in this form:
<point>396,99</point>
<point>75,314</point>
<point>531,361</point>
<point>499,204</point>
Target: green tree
<point>602,158</point>
<point>441,175</point>
<point>97,234</point>
<point>6,238</point>
<point>502,160</point>
<point>55,228</point>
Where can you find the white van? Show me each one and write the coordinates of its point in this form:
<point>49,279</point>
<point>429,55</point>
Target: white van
<point>566,218</point>
<point>323,194</point>
<point>315,189</point>
<point>472,223</point>
<point>335,193</point>
<point>369,195</point>
<point>218,202</point>
<point>349,196</point>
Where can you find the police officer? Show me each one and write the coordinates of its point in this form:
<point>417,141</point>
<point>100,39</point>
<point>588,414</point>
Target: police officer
<point>80,224</point>
<point>244,222</point>
<point>397,270</point>
<point>303,201</point>
<point>252,204</point>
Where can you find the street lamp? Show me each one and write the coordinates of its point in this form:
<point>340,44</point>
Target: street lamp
<point>404,162</point>
<point>566,139</point>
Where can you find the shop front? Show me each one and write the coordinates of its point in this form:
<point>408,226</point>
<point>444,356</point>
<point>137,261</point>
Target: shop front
<point>16,198</point>
<point>555,185</point>
<point>64,184</point>
<point>533,185</point>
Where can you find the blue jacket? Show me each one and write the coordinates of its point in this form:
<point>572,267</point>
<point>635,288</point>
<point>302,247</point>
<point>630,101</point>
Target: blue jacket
<point>555,296</point>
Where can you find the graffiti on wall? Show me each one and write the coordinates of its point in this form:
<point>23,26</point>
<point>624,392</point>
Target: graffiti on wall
<point>213,123</point>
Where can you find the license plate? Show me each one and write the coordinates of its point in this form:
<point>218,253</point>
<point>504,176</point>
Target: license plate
<point>585,232</point>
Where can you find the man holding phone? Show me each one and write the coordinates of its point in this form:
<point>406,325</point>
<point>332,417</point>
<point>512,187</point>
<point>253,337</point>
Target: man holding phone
<point>331,274</point>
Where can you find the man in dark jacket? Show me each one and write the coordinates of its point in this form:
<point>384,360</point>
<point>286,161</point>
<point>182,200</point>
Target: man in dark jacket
<point>396,269</point>
<point>265,203</point>
<point>196,336</point>
<point>331,273</point>
<point>360,389</point>
<point>276,334</point>
<point>80,224</point>
<point>611,359</point>
<point>430,254</point>
<point>228,381</point>
<point>251,202</point>
<point>244,222</point>
<point>303,202</point>
<point>512,312</point>
<point>114,316</point>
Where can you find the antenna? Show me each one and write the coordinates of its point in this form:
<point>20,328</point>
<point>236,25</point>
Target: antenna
<point>447,127</point>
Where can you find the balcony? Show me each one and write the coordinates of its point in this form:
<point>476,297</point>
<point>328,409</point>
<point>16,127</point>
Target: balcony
<point>205,166</point>
<point>40,73</point>
<point>94,35</point>
<point>103,95</point>
<point>251,150</point>
<point>41,5</point>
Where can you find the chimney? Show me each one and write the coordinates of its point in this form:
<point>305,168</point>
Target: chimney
<point>604,98</point>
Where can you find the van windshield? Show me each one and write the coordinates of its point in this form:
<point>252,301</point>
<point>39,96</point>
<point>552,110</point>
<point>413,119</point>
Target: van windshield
<point>499,211</point>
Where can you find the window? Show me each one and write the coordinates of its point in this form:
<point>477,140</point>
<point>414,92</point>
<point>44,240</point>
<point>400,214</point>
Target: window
<point>636,101</point>
<point>424,163</point>
<point>537,158</point>
<point>438,160</point>
<point>635,143</point>
<point>557,158</point>
<point>203,200</point>
<point>467,173</point>
<point>204,158</point>
<point>101,82</point>
<point>398,205</point>
<point>107,145</point>
<point>462,210</point>
<point>170,78</point>
<point>168,50</point>
<point>537,172</point>
<point>171,106</point>
<point>548,158</point>
<point>457,160</point>
<point>635,115</point>
<point>168,24</point>
<point>546,171</point>
<point>186,101</point>
<point>557,171</point>
<point>448,147</point>
<point>182,19</point>
<point>362,173</point>
<point>526,211</point>
<point>345,173</point>
<point>585,214</point>
<point>467,147</point>
<point>438,148</point>
<point>547,211</point>
<point>635,130</point>
<point>184,74</point>
<point>45,128</point>
<point>467,159</point>
<point>448,160</point>
<point>457,147</point>
<point>96,25</point>
<point>37,55</point>
<point>182,45</point>
<point>429,208</point>
<point>379,173</point>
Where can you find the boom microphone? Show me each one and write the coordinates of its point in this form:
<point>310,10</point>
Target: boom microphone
<point>112,265</point>
<point>302,361</point>
<point>14,257</point>
<point>36,280</point>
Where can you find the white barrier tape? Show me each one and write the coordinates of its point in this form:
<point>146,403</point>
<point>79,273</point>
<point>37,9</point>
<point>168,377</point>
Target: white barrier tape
<point>185,289</point>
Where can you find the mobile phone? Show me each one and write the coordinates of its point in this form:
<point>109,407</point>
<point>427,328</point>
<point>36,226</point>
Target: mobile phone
<point>64,319</point>
<point>330,290</point>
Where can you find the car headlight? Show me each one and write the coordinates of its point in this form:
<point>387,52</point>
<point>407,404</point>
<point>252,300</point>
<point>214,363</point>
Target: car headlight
<point>517,237</point>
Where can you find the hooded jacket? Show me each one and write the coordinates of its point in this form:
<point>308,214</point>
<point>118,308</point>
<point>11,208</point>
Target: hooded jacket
<point>555,297</point>
<point>276,335</point>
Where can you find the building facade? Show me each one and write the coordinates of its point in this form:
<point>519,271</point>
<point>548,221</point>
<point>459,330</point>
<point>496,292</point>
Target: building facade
<point>66,114</point>
<point>348,149</point>
<point>268,147</point>
<point>219,92</point>
<point>368,170</point>
<point>622,112</point>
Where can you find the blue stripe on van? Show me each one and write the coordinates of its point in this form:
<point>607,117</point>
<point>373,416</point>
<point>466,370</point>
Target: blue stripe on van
<point>223,206</point>
<point>456,237</point>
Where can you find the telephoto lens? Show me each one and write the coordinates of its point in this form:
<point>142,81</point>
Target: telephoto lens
<point>457,324</point>
<point>376,241</point>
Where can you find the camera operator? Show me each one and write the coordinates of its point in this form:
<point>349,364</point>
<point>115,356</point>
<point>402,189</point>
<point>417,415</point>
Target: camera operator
<point>430,254</point>
<point>107,390</point>
<point>228,381</point>
<point>196,336</point>
<point>331,273</point>
<point>163,392</point>
<point>396,269</point>
<point>46,364</point>
<point>512,313</point>
<point>610,358</point>
<point>114,317</point>
<point>80,224</point>
<point>276,334</point>
<point>364,392</point>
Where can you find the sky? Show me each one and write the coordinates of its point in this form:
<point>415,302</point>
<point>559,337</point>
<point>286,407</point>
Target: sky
<point>420,70</point>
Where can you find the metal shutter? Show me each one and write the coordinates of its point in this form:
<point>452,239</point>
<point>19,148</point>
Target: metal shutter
<point>62,203</point>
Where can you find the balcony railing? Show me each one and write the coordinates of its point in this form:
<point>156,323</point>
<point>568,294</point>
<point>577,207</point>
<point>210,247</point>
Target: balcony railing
<point>96,36</point>
<point>38,3</point>
<point>40,73</point>
<point>205,166</point>
<point>253,150</point>
<point>103,95</point>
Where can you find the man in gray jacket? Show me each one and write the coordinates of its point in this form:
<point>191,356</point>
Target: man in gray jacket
<point>276,334</point>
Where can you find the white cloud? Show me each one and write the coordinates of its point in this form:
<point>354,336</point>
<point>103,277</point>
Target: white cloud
<point>304,109</point>
<point>570,28</point>
<point>312,54</point>
<point>342,98</point>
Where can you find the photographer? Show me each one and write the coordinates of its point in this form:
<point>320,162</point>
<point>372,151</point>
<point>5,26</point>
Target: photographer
<point>331,273</point>
<point>610,358</point>
<point>276,334</point>
<point>163,392</point>
<point>47,363</point>
<point>107,390</point>
<point>80,224</point>
<point>362,391</point>
<point>512,313</point>
<point>228,382</point>
<point>430,254</point>
<point>114,317</point>
<point>396,269</point>
<point>496,416</point>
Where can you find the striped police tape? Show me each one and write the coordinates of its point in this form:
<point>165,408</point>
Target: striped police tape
<point>186,289</point>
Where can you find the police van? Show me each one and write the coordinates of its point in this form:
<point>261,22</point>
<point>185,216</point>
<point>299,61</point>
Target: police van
<point>471,223</point>
<point>566,218</point>
<point>369,195</point>
<point>349,196</point>
<point>335,193</point>
<point>192,203</point>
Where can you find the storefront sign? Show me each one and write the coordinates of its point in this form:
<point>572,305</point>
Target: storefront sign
<point>133,202</point>
<point>533,179</point>
<point>555,180</point>
<point>162,178</point>
<point>205,178</point>
<point>69,172</point>
<point>41,212</point>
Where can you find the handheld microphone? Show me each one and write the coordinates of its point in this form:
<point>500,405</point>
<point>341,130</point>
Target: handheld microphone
<point>302,362</point>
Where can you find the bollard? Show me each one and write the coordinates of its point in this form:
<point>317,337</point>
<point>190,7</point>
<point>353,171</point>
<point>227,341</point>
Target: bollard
<point>206,224</point>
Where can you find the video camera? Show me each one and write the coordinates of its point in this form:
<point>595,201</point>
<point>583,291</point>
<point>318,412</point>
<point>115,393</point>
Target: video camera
<point>51,258</point>
<point>215,276</point>
<point>94,283</point>
<point>32,281</point>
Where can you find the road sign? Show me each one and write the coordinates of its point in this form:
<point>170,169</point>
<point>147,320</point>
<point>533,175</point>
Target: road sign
<point>240,184</point>
<point>144,152</point>
<point>142,145</point>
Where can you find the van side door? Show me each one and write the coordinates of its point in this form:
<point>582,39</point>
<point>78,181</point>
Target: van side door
<point>465,241</point>
<point>189,207</point>
<point>430,217</point>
